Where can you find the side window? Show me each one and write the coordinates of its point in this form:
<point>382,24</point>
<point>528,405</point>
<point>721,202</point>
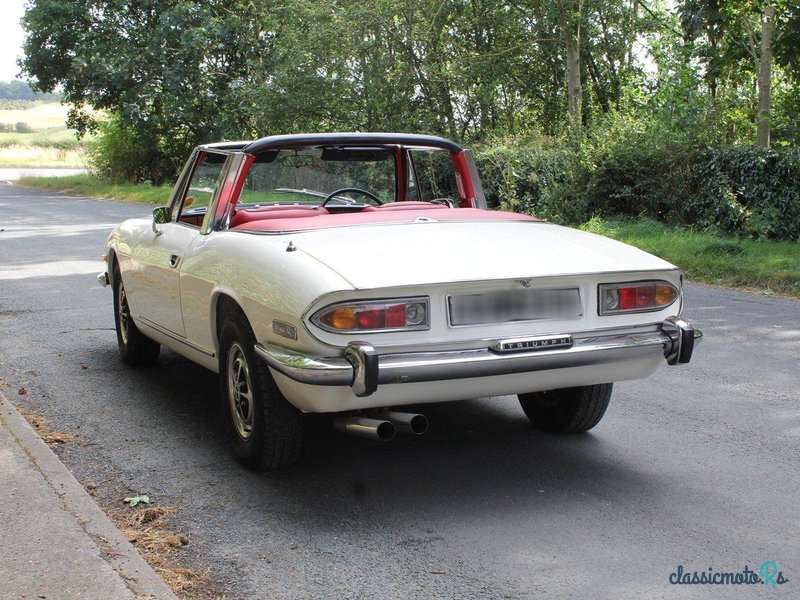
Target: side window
<point>432,176</point>
<point>204,182</point>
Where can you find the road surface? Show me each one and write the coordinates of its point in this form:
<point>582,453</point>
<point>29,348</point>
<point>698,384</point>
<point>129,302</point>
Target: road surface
<point>696,466</point>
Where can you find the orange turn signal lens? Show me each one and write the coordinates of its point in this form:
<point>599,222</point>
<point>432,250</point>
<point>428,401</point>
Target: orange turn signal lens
<point>343,317</point>
<point>665,295</point>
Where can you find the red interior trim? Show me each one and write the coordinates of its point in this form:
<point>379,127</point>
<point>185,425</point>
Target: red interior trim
<point>467,194</point>
<point>296,218</point>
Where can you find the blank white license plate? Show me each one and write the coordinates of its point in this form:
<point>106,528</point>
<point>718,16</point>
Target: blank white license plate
<point>515,305</point>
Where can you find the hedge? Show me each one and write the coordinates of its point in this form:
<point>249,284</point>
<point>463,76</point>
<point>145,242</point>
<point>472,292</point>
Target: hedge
<point>742,190</point>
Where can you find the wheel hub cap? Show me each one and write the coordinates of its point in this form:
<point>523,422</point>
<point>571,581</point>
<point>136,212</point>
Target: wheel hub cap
<point>240,391</point>
<point>124,315</point>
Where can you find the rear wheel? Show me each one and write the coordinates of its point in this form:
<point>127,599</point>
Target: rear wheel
<point>266,430</point>
<point>135,348</point>
<point>567,410</point>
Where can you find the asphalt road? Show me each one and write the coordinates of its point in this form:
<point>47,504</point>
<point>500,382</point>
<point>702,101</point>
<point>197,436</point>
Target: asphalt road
<point>696,466</point>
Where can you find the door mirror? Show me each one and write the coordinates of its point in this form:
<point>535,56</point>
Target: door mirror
<point>160,216</point>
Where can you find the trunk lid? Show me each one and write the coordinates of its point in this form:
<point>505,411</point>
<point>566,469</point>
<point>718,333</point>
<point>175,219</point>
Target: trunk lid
<point>423,253</point>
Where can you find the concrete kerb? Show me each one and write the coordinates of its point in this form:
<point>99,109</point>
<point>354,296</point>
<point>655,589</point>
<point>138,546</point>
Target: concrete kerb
<point>140,578</point>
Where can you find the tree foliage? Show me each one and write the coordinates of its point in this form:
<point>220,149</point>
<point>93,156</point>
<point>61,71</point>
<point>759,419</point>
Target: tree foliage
<point>182,72</point>
<point>586,86</point>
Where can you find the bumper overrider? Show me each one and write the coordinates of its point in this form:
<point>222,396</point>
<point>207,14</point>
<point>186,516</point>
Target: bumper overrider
<point>363,369</point>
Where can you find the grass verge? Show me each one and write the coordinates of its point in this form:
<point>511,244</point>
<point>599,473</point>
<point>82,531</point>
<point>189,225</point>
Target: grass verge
<point>94,187</point>
<point>770,267</point>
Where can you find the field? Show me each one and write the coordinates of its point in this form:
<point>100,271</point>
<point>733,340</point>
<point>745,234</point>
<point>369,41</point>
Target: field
<point>41,116</point>
<point>45,141</point>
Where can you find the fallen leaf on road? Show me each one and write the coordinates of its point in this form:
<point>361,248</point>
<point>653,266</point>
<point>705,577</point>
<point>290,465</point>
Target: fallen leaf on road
<point>22,391</point>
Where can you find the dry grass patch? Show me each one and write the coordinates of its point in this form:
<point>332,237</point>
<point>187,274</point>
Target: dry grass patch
<point>38,157</point>
<point>50,436</point>
<point>159,544</point>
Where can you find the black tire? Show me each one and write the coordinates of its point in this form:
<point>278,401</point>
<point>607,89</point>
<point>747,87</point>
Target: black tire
<point>567,410</point>
<point>135,348</point>
<point>266,430</point>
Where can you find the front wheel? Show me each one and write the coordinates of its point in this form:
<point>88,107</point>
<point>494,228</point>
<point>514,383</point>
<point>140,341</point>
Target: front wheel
<point>567,410</point>
<point>135,348</point>
<point>266,430</point>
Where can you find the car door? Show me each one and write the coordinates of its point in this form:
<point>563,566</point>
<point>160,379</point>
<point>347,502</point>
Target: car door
<point>158,257</point>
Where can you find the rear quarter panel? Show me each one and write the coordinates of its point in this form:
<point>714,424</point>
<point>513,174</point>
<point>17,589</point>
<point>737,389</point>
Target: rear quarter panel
<point>258,273</point>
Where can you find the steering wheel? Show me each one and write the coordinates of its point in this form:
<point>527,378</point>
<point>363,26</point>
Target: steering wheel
<point>335,193</point>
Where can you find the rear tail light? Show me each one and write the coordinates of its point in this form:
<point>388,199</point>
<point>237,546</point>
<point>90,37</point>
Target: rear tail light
<point>641,296</point>
<point>380,315</point>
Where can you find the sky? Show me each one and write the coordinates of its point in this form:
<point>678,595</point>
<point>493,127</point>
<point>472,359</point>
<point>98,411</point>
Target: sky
<point>11,38</point>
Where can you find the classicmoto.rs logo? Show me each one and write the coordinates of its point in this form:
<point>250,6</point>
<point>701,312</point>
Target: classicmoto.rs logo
<point>767,574</point>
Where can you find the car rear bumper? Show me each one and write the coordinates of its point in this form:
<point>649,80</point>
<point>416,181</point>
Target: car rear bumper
<point>363,369</point>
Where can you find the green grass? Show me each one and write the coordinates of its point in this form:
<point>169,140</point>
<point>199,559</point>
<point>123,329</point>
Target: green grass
<point>55,137</point>
<point>93,187</point>
<point>768,266</point>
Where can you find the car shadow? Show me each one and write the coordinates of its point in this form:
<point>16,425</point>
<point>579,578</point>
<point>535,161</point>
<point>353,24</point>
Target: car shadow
<point>477,457</point>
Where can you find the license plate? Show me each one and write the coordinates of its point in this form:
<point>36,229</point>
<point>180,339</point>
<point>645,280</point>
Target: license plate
<point>515,305</point>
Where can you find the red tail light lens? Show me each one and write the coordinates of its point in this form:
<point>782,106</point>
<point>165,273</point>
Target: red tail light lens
<point>372,318</point>
<point>382,315</point>
<point>641,296</point>
<point>396,315</point>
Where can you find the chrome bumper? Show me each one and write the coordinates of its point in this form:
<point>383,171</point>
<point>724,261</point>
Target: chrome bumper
<point>364,369</point>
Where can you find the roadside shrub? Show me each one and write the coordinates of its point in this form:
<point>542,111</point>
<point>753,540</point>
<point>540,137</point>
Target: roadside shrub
<point>737,189</point>
<point>535,178</point>
<point>747,190</point>
<point>23,127</point>
<point>123,153</point>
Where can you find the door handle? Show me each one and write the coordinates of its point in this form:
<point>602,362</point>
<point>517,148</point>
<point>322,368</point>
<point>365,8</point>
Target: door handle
<point>174,259</point>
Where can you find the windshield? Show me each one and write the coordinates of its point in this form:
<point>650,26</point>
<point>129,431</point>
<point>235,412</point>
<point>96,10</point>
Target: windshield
<point>308,176</point>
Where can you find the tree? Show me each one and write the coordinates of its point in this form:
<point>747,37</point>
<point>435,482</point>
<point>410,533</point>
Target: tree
<point>571,17</point>
<point>761,51</point>
<point>740,37</point>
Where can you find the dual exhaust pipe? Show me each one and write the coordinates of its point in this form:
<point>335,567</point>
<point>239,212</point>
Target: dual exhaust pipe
<point>384,427</point>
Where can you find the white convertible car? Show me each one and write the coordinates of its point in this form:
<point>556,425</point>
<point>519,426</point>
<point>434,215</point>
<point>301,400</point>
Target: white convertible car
<point>355,273</point>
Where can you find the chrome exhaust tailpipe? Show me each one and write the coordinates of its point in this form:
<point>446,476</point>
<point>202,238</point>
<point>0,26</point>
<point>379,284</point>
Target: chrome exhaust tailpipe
<point>373,429</point>
<point>407,422</point>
